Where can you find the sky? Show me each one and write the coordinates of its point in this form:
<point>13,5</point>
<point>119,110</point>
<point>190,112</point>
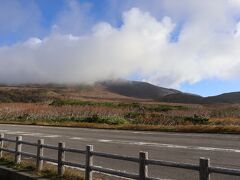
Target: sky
<point>193,46</point>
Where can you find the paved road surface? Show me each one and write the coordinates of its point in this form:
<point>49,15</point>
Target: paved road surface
<point>223,150</point>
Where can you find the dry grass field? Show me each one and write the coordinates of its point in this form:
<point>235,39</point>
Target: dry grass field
<point>98,108</point>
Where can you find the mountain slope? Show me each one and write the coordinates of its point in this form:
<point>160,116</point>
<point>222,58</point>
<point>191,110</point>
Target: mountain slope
<point>108,90</point>
<point>137,89</point>
<point>233,97</point>
<point>182,98</point>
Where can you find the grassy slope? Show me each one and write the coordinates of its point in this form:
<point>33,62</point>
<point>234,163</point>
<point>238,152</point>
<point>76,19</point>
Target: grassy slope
<point>84,106</point>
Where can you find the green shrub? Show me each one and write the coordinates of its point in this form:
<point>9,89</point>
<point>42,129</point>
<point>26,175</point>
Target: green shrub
<point>114,120</point>
<point>163,108</point>
<point>61,102</point>
<point>132,115</point>
<point>197,119</point>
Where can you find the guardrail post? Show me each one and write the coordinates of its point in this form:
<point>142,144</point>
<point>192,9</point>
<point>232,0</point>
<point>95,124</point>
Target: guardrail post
<point>89,162</point>
<point>143,168</point>
<point>204,165</point>
<point>39,162</point>
<point>61,158</point>
<point>18,150</point>
<point>1,145</point>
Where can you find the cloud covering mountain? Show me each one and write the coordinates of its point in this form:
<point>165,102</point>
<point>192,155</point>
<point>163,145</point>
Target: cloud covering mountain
<point>168,43</point>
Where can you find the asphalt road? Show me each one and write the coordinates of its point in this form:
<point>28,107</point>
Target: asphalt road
<point>222,149</point>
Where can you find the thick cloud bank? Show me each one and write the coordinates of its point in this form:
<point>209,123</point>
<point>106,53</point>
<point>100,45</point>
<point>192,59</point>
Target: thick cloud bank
<point>206,47</point>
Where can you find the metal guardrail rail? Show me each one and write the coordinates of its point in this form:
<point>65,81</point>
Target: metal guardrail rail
<point>203,167</point>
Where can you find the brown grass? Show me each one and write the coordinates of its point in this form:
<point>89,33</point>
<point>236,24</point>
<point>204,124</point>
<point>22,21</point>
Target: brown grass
<point>223,118</point>
<point>49,171</point>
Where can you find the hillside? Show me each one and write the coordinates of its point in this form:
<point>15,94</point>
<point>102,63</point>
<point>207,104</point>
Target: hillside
<point>138,89</point>
<point>182,98</point>
<point>233,97</point>
<point>108,90</point>
<point>143,90</point>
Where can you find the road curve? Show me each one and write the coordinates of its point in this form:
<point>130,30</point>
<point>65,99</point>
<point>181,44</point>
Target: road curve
<point>222,149</point>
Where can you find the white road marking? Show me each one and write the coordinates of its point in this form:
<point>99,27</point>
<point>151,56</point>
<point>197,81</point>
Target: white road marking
<point>3,130</point>
<point>104,140</point>
<point>141,132</point>
<point>52,136</point>
<point>203,135</point>
<point>129,142</point>
<point>176,146</point>
<point>32,134</point>
<point>76,138</point>
<point>161,145</point>
<point>15,132</point>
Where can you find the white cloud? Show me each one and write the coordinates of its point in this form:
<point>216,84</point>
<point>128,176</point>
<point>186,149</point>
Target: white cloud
<point>208,47</point>
<point>235,2</point>
<point>106,53</point>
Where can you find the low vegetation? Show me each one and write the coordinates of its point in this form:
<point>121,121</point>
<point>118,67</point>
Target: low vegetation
<point>80,107</point>
<point>49,171</point>
<point>27,96</point>
<point>118,115</point>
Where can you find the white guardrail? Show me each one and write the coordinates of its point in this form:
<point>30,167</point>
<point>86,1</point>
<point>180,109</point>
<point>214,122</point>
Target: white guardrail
<point>203,167</point>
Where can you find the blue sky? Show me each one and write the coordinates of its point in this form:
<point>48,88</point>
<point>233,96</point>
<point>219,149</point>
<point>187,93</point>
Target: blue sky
<point>212,87</point>
<point>193,48</point>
